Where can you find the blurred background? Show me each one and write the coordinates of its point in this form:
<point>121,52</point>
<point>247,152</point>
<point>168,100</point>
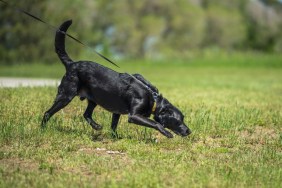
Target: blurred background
<point>150,29</point>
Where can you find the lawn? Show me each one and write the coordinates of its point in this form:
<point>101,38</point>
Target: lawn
<point>231,103</point>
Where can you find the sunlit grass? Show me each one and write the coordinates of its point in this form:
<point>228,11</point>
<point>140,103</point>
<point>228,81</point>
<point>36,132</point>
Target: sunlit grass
<point>234,111</point>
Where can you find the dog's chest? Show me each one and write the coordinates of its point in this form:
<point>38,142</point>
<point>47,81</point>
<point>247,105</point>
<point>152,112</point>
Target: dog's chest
<point>108,100</point>
<point>84,94</point>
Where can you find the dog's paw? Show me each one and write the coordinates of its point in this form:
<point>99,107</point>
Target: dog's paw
<point>168,135</point>
<point>165,132</point>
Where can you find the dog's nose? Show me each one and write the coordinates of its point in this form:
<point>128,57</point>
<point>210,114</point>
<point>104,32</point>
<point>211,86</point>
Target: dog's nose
<point>188,131</point>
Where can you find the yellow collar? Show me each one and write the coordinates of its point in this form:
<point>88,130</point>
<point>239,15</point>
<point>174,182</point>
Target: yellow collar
<point>154,107</point>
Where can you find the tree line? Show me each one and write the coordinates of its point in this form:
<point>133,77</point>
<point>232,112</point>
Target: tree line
<point>141,29</point>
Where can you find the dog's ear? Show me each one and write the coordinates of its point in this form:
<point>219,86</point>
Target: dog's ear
<point>165,110</point>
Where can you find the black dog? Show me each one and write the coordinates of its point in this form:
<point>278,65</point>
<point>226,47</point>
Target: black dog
<point>119,93</point>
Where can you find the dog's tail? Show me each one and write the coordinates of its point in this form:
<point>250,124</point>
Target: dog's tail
<point>60,43</point>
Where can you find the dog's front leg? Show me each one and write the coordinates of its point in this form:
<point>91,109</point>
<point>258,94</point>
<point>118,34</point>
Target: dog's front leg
<point>140,120</point>
<point>88,115</point>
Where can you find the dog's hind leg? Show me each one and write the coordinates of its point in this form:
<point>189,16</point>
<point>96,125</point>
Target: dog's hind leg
<point>66,92</point>
<point>58,105</point>
<point>115,119</point>
<point>88,115</point>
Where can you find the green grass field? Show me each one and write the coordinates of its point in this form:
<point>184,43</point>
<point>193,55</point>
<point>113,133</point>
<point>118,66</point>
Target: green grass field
<point>232,104</point>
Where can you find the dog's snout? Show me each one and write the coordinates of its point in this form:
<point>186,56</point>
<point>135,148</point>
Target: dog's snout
<point>188,131</point>
<point>185,130</point>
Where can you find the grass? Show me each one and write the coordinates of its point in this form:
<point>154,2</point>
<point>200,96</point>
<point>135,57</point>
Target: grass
<point>233,106</point>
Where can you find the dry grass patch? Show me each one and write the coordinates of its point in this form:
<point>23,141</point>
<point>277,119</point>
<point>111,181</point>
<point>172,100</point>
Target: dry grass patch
<point>259,136</point>
<point>13,164</point>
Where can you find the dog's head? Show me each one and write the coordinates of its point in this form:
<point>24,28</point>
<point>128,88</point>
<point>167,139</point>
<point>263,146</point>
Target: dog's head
<point>170,117</point>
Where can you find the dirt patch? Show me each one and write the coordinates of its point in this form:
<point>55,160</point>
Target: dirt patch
<point>210,142</point>
<point>8,166</point>
<point>99,151</point>
<point>254,136</point>
<point>85,169</point>
<point>259,136</point>
<point>13,164</point>
<point>259,133</point>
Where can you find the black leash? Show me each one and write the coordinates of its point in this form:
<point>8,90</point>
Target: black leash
<point>55,28</point>
<point>155,95</point>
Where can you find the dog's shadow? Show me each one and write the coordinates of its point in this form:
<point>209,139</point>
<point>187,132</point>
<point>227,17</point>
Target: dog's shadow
<point>98,137</point>
<point>105,136</point>
<point>111,137</point>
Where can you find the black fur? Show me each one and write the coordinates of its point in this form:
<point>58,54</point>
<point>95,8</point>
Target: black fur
<point>119,93</point>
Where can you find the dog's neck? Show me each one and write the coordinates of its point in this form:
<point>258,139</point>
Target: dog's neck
<point>157,102</point>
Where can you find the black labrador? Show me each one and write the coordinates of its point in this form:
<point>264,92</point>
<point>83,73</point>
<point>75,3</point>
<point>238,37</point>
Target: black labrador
<point>119,93</point>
